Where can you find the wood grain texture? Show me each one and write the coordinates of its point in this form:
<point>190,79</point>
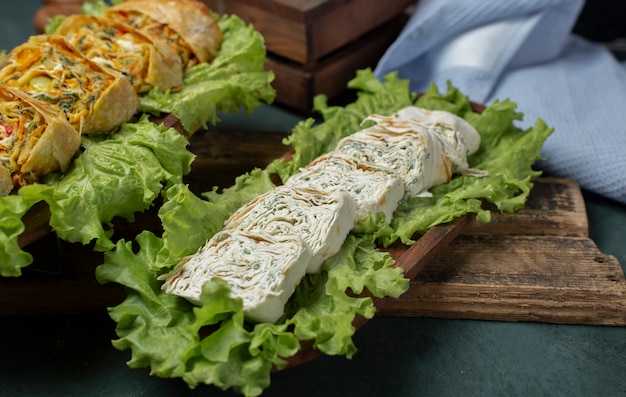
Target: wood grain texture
<point>537,264</point>
<point>306,31</point>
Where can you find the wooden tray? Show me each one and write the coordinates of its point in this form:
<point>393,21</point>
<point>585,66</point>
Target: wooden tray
<point>537,264</point>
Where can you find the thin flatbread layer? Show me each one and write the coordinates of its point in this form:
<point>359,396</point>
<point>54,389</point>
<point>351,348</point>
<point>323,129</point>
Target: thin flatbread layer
<point>375,190</point>
<point>112,44</point>
<point>188,26</point>
<point>35,139</point>
<point>48,68</point>
<point>261,269</point>
<point>420,155</point>
<point>322,219</point>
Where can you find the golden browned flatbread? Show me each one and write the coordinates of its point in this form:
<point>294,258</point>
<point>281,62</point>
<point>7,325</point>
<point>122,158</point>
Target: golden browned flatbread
<point>186,25</point>
<point>48,68</point>
<point>35,140</point>
<point>145,62</point>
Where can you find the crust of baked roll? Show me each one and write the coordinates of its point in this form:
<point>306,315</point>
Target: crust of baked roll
<point>50,69</point>
<point>35,140</point>
<point>112,44</point>
<point>191,20</point>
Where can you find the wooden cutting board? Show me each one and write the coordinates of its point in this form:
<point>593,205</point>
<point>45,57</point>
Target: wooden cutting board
<point>537,264</point>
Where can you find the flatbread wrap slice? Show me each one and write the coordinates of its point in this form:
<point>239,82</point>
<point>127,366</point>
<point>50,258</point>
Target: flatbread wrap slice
<point>49,69</point>
<point>422,156</point>
<point>322,219</point>
<point>261,269</point>
<point>188,26</point>
<point>112,44</point>
<point>374,190</point>
<point>35,140</point>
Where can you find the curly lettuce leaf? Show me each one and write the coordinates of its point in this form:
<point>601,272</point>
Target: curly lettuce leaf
<point>116,177</point>
<point>12,209</point>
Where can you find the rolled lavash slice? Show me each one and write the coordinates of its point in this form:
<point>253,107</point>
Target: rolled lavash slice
<point>145,62</point>
<point>322,219</point>
<point>421,156</point>
<point>261,269</point>
<point>188,26</point>
<point>460,138</point>
<point>374,189</point>
<point>35,140</point>
<point>48,68</point>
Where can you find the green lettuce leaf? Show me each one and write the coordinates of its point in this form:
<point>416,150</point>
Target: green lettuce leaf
<point>116,177</point>
<point>212,343</point>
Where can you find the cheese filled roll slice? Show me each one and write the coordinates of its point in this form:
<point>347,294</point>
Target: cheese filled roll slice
<point>145,62</point>
<point>322,219</point>
<point>375,190</point>
<point>35,140</point>
<point>262,270</point>
<point>187,26</point>
<point>420,155</point>
<point>48,68</point>
<point>460,138</point>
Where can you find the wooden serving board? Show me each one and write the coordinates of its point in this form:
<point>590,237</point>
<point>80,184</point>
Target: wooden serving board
<point>537,264</point>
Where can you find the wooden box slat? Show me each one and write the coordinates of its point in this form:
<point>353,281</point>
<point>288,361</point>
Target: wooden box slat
<point>296,85</point>
<point>306,31</point>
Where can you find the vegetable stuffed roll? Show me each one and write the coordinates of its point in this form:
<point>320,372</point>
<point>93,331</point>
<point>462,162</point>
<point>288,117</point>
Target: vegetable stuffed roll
<point>188,26</point>
<point>35,140</point>
<point>145,62</point>
<point>48,68</point>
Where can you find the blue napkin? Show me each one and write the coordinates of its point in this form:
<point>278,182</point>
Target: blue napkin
<point>525,51</point>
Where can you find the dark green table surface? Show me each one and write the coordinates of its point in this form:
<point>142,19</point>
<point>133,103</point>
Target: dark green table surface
<point>72,355</point>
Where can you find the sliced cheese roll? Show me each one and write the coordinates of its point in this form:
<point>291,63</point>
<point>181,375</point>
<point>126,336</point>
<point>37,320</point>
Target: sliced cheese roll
<point>48,68</point>
<point>262,270</point>
<point>322,219</point>
<point>188,26</point>
<point>374,190</point>
<point>35,140</point>
<point>145,62</point>
<point>420,155</point>
<point>460,138</point>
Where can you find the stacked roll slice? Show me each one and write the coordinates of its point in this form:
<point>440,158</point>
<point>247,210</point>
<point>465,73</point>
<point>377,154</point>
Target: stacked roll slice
<point>49,69</point>
<point>369,173</point>
<point>261,269</point>
<point>187,26</point>
<point>322,219</point>
<point>34,140</point>
<point>375,190</point>
<point>146,62</point>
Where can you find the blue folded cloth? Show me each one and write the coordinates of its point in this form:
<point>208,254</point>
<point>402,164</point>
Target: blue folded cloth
<point>525,51</point>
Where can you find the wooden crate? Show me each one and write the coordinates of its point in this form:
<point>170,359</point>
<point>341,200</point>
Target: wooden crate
<point>316,46</point>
